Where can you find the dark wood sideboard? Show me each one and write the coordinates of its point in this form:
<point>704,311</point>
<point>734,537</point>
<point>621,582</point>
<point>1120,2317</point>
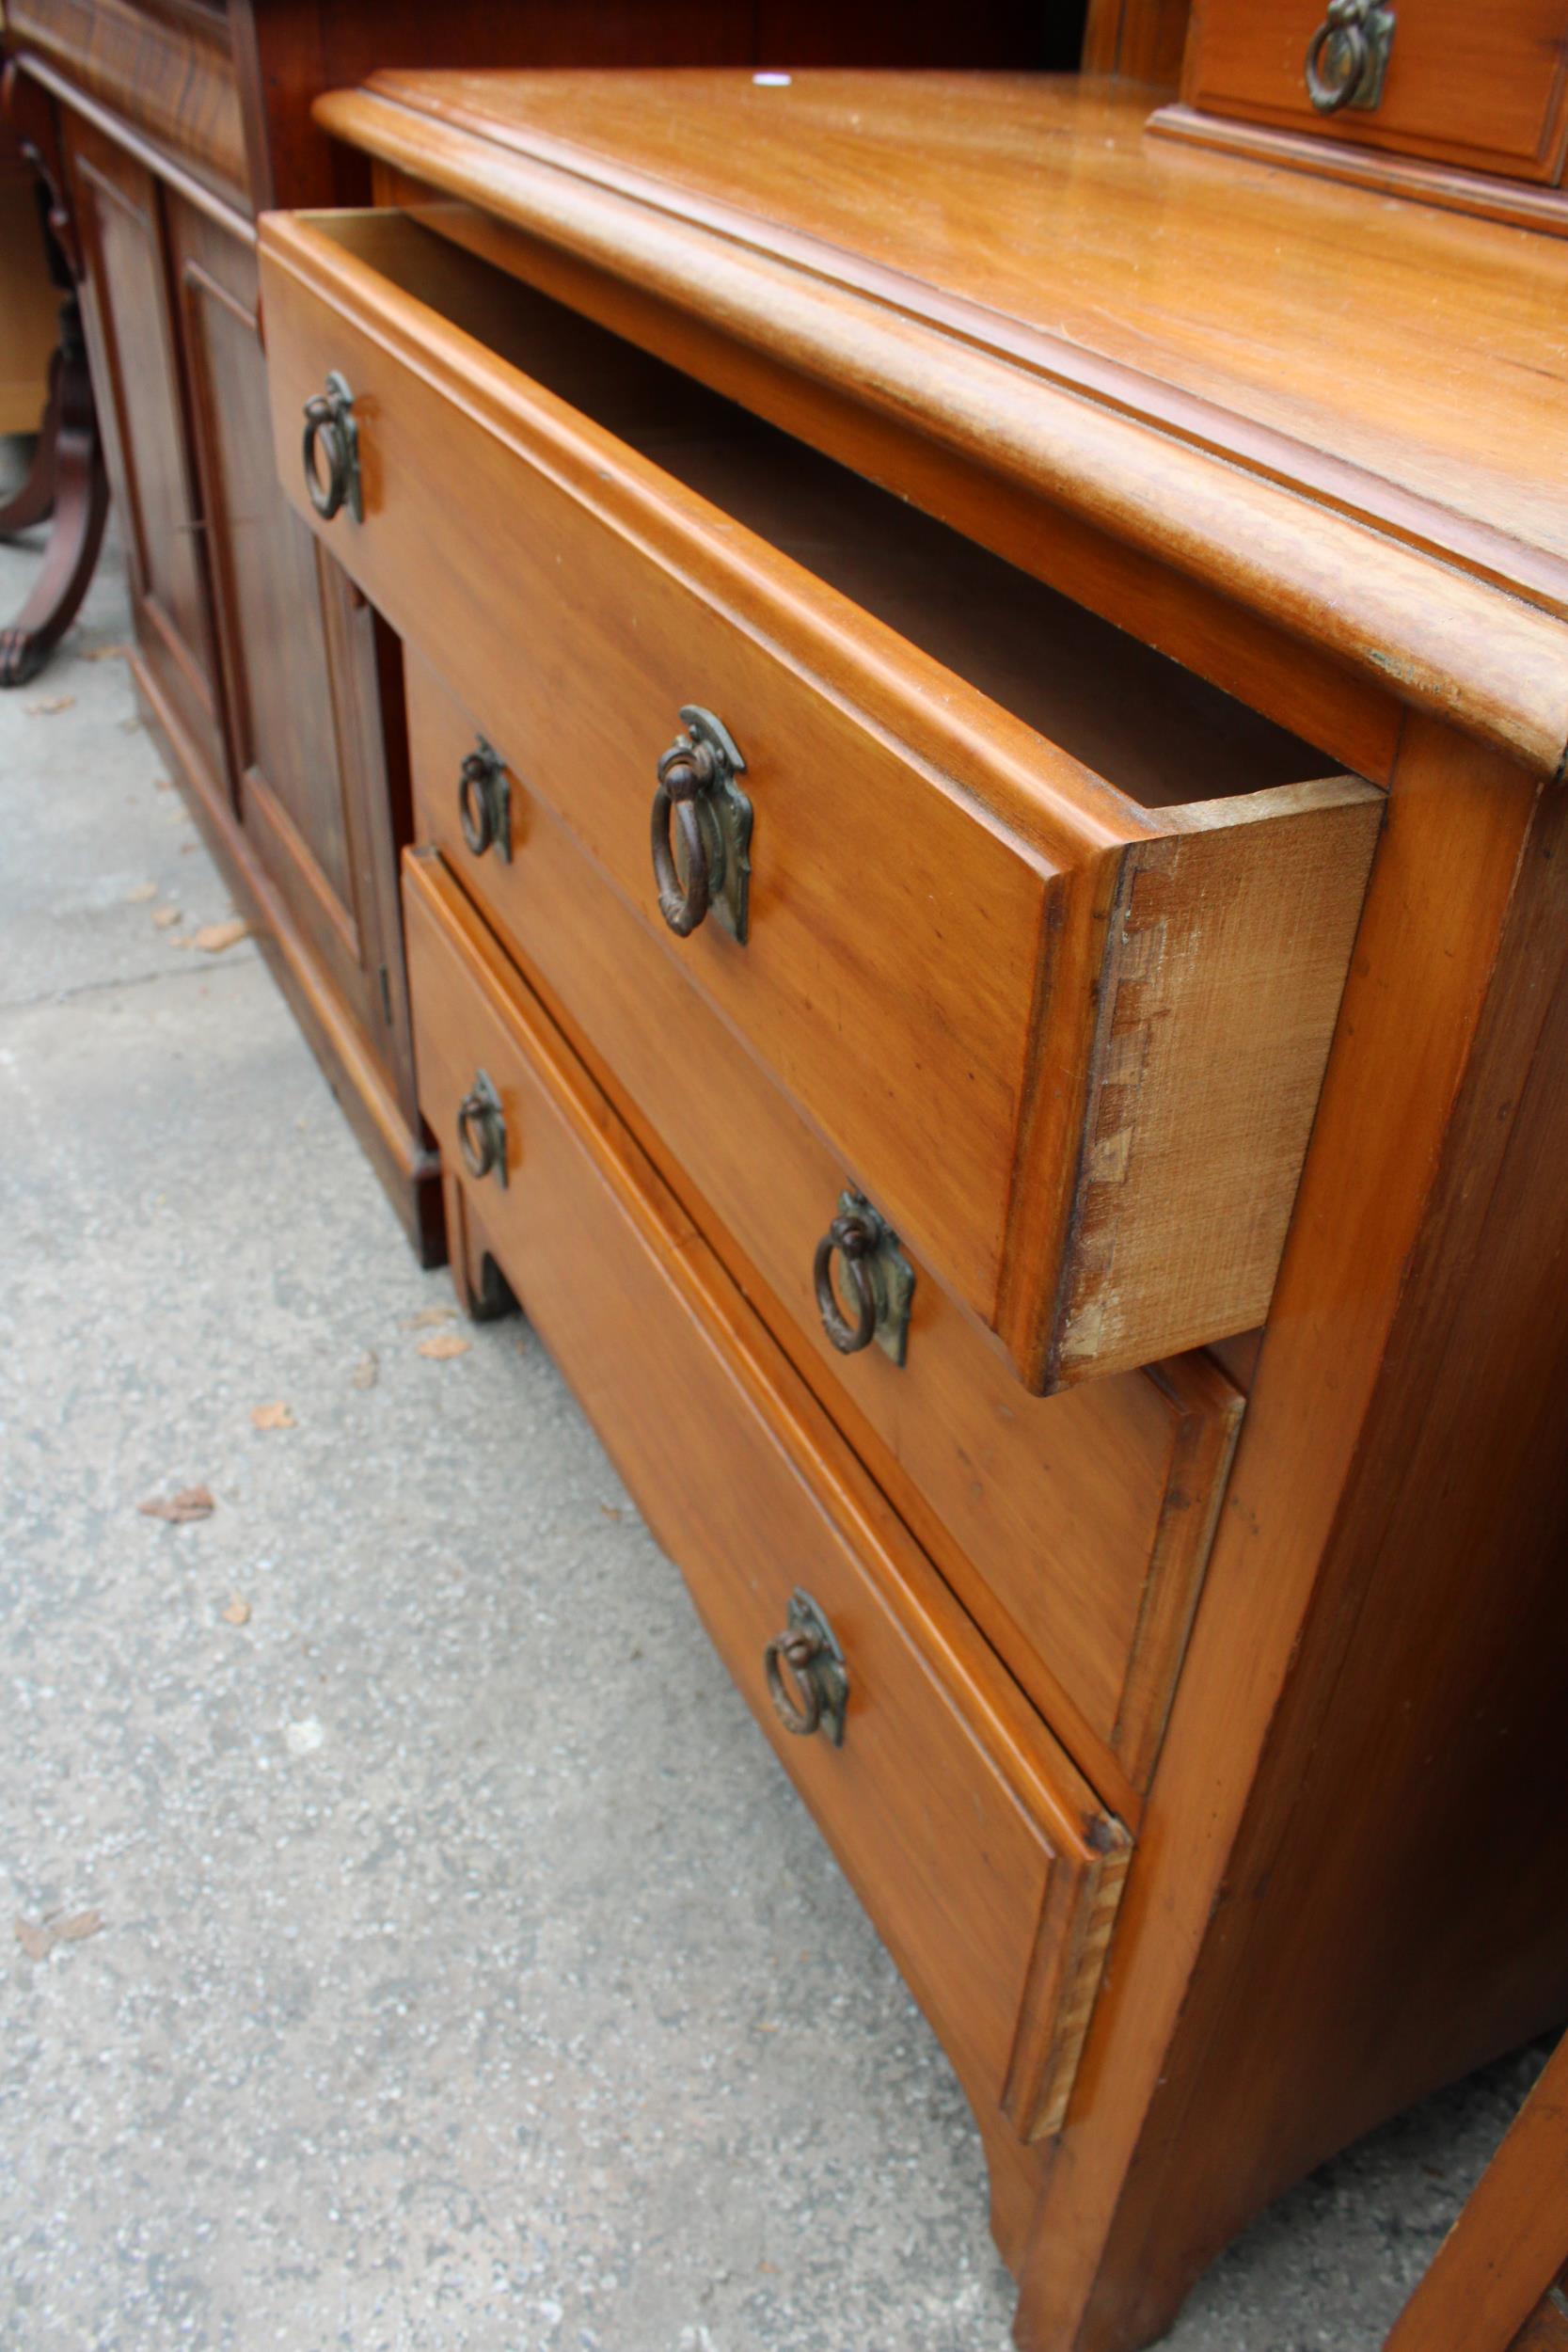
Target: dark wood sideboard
<point>171,125</point>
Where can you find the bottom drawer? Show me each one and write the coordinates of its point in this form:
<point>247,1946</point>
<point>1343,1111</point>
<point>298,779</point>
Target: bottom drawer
<point>986,1862</point>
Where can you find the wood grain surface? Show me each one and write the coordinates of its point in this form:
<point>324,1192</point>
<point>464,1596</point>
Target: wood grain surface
<point>1517,203</point>
<point>1491,2286</point>
<point>1074,1528</point>
<point>162,68</point>
<point>945,902</point>
<point>1361,1894</point>
<point>1349,505</point>
<point>984,1859</point>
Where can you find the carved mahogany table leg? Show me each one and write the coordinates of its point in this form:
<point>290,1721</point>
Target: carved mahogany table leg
<point>33,499</point>
<point>68,481</point>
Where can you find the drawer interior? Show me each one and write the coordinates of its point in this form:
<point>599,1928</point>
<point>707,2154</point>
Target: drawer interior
<point>1157,733</point>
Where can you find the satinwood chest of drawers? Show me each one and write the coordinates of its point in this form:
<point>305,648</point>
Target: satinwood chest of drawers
<point>985,943</point>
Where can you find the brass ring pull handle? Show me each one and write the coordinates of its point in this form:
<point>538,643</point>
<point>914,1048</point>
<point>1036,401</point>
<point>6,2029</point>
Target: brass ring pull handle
<point>331,434</point>
<point>797,1704</point>
<point>1348,56</point>
<point>481,1131</point>
<point>685,773</point>
<point>484,803</point>
<point>807,1680</point>
<point>697,789</point>
<point>856,1239</point>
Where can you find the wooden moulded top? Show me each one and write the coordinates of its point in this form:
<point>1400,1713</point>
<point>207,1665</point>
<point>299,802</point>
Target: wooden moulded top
<point>1347,412</point>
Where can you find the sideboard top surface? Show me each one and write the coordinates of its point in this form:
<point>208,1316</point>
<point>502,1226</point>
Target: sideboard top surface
<point>1349,411</point>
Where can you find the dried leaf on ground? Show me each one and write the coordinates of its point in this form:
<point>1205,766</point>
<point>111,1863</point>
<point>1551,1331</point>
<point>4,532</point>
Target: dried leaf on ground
<point>103,653</point>
<point>276,1416</point>
<point>444,1343</point>
<point>238,1612</point>
<point>51,703</point>
<point>214,937</point>
<point>182,939</point>
<point>39,1937</point>
<point>166,918</point>
<point>367,1372</point>
<point>191,1502</point>
<point>611,1510</point>
<point>427,1315</point>
<point>139,896</point>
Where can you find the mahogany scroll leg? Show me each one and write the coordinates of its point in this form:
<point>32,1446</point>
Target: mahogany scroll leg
<point>67,477</point>
<point>32,500</point>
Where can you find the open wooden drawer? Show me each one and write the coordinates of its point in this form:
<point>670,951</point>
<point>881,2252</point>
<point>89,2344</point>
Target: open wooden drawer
<point>1074,1528</point>
<point>1045,937</point>
<point>989,1866</point>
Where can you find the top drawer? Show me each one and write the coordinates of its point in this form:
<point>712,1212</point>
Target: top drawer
<point>1067,1033</point>
<point>1478,86</point>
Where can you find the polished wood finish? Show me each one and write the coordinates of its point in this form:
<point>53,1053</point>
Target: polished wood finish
<point>1519,203</point>
<point>276,691</point>
<point>1140,40</point>
<point>1482,87</point>
<point>132,337</point>
<point>998,1904</point>
<point>992,911</point>
<point>161,68</point>
<point>1311,1953</point>
<point>1345,506</point>
<point>1494,2283</point>
<point>1348,1879</point>
<point>309,786</point>
<point>41,327</point>
<point>289,50</point>
<point>1075,1529</point>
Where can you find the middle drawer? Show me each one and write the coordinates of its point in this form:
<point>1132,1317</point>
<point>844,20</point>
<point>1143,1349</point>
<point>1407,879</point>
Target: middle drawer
<point>1075,1528</point>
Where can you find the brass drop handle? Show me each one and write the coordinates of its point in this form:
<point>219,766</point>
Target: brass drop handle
<point>481,1131</point>
<point>332,436</point>
<point>685,773</point>
<point>853,1238</point>
<point>877,1276</point>
<point>1348,56</point>
<point>484,802</point>
<point>807,1680</point>
<point>698,798</point>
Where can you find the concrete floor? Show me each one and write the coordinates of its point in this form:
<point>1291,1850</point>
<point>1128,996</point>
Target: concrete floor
<point>453,1965</point>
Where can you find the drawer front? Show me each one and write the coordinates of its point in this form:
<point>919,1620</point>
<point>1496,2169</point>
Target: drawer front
<point>984,1860</point>
<point>1478,86</point>
<point>1075,1526</point>
<point>960,946</point>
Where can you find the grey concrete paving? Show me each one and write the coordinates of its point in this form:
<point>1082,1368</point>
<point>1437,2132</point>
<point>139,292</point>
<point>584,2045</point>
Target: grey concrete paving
<point>455,1967</point>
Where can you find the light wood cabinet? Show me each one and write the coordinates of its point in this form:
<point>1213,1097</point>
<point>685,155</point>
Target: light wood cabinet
<point>1154,744</point>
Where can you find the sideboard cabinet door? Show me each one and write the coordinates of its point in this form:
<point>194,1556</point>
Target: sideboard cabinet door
<point>301,705</point>
<point>131,338</point>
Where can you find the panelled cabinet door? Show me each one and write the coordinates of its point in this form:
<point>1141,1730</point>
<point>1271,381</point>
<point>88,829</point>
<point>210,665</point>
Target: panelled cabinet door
<point>133,341</point>
<point>298,654</point>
